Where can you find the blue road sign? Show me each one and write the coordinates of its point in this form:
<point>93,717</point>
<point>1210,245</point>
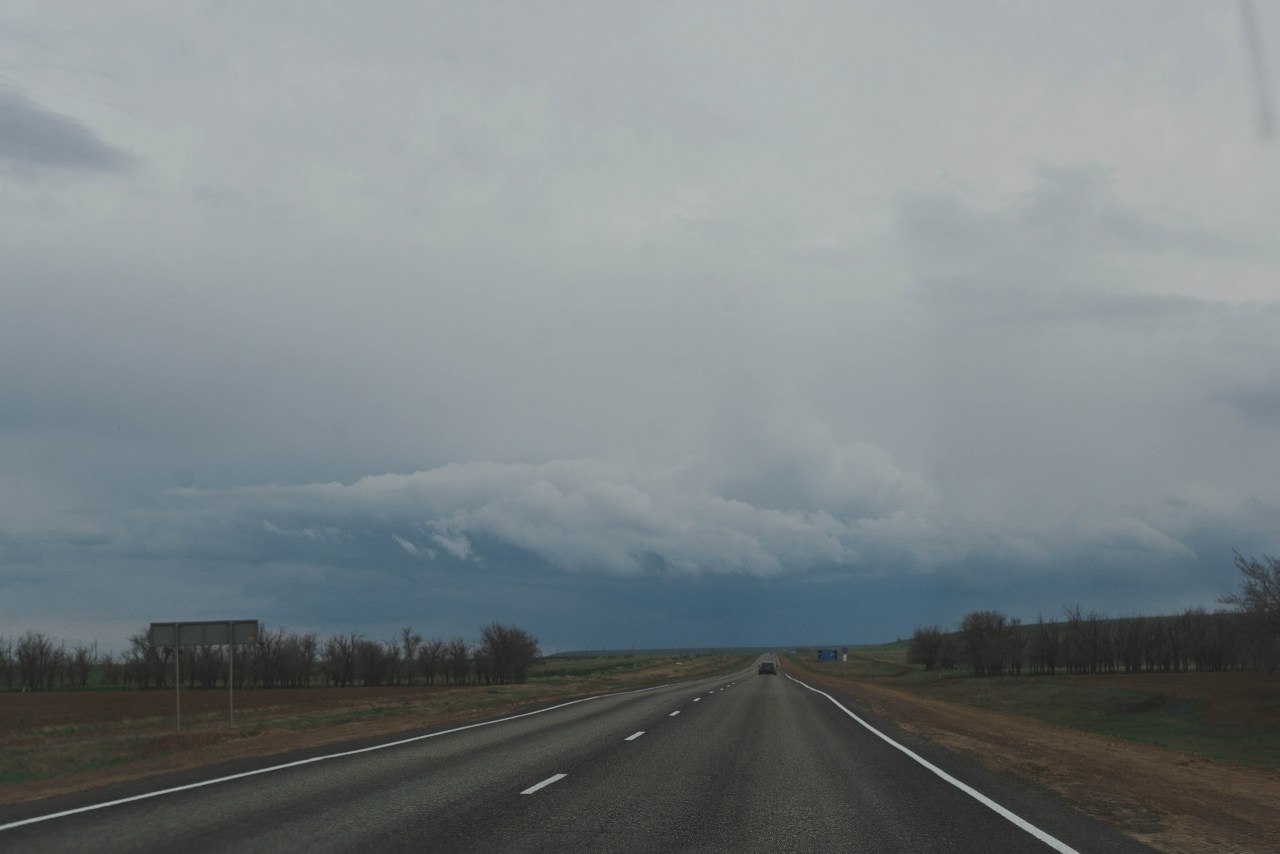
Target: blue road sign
<point>826,655</point>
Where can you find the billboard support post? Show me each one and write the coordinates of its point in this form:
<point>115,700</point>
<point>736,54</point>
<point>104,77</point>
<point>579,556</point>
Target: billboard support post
<point>228,633</point>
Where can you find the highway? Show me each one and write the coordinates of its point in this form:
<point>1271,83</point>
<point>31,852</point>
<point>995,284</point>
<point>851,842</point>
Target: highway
<point>735,763</point>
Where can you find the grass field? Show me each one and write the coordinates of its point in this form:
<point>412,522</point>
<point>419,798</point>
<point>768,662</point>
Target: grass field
<point>1232,716</point>
<point>61,741</point>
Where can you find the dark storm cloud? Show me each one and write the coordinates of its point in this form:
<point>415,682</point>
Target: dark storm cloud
<point>1259,403</point>
<point>569,314</point>
<point>33,135</point>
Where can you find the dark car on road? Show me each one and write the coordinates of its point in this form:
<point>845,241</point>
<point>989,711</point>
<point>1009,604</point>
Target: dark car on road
<point>767,667</point>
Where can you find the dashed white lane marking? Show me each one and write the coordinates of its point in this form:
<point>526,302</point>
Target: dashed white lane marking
<point>547,782</point>
<point>1053,842</point>
<point>696,699</point>
<point>325,758</point>
<point>673,714</point>
<point>634,736</point>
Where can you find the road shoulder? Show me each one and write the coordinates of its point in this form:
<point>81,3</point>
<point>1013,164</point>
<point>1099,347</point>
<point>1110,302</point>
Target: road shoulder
<point>1172,802</point>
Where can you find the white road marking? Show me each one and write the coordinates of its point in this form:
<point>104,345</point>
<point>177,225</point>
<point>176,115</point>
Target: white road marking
<point>547,782</point>
<point>673,714</point>
<point>634,736</point>
<point>696,699</point>
<point>1053,842</point>
<point>91,807</point>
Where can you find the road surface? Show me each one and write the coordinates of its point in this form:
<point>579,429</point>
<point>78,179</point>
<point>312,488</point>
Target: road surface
<point>735,763</point>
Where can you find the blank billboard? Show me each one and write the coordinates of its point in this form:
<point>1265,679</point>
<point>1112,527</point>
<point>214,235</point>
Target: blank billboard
<point>206,633</point>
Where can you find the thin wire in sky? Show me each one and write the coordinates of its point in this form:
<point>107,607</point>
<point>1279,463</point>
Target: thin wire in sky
<point>1253,38</point>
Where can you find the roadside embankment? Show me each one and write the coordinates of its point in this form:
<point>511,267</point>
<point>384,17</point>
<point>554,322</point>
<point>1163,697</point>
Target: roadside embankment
<point>1175,801</point>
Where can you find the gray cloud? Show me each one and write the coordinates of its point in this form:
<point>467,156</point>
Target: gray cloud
<point>846,317</point>
<point>1059,246</point>
<point>1259,403</point>
<point>33,135</point>
<point>579,516</point>
<point>591,518</point>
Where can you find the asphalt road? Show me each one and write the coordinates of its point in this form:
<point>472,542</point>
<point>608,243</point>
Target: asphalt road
<point>738,763</point>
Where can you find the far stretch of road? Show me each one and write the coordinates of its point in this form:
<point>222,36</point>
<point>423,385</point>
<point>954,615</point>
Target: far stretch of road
<point>737,763</point>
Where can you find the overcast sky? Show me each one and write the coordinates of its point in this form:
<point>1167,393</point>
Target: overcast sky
<point>634,324</point>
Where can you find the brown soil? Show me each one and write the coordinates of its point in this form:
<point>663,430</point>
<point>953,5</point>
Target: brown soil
<point>206,743</point>
<point>268,722</point>
<point>1174,802</point>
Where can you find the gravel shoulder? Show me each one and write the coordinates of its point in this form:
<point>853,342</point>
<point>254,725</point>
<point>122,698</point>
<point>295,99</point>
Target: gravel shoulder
<point>1174,802</point>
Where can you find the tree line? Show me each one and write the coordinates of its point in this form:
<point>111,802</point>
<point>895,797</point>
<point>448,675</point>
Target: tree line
<point>990,643</point>
<point>35,662</point>
<point>504,654</point>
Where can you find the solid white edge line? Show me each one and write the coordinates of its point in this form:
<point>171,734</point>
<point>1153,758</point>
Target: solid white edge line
<point>144,796</point>
<point>547,782</point>
<point>634,736</point>
<point>1052,842</point>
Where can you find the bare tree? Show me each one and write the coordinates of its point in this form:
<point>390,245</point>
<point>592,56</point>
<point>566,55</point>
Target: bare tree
<point>431,658</point>
<point>56,666</point>
<point>308,647</point>
<point>391,652</point>
<point>268,664</point>
<point>148,663</point>
<point>1131,637</point>
<point>1259,599</point>
<point>373,664</point>
<point>1259,593</point>
<point>110,670</point>
<point>457,661</point>
<point>83,659</point>
<point>1014,646</point>
<point>34,654</point>
<point>339,659</point>
<point>1046,645</point>
<point>8,662</point>
<point>1074,643</point>
<point>1095,643</point>
<point>209,665</point>
<point>926,647</point>
<point>409,644</point>
<point>506,653</point>
<point>984,634</point>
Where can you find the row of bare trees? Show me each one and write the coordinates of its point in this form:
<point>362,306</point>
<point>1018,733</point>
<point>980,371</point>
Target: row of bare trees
<point>279,659</point>
<point>35,662</point>
<point>1246,638</point>
<point>992,644</point>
